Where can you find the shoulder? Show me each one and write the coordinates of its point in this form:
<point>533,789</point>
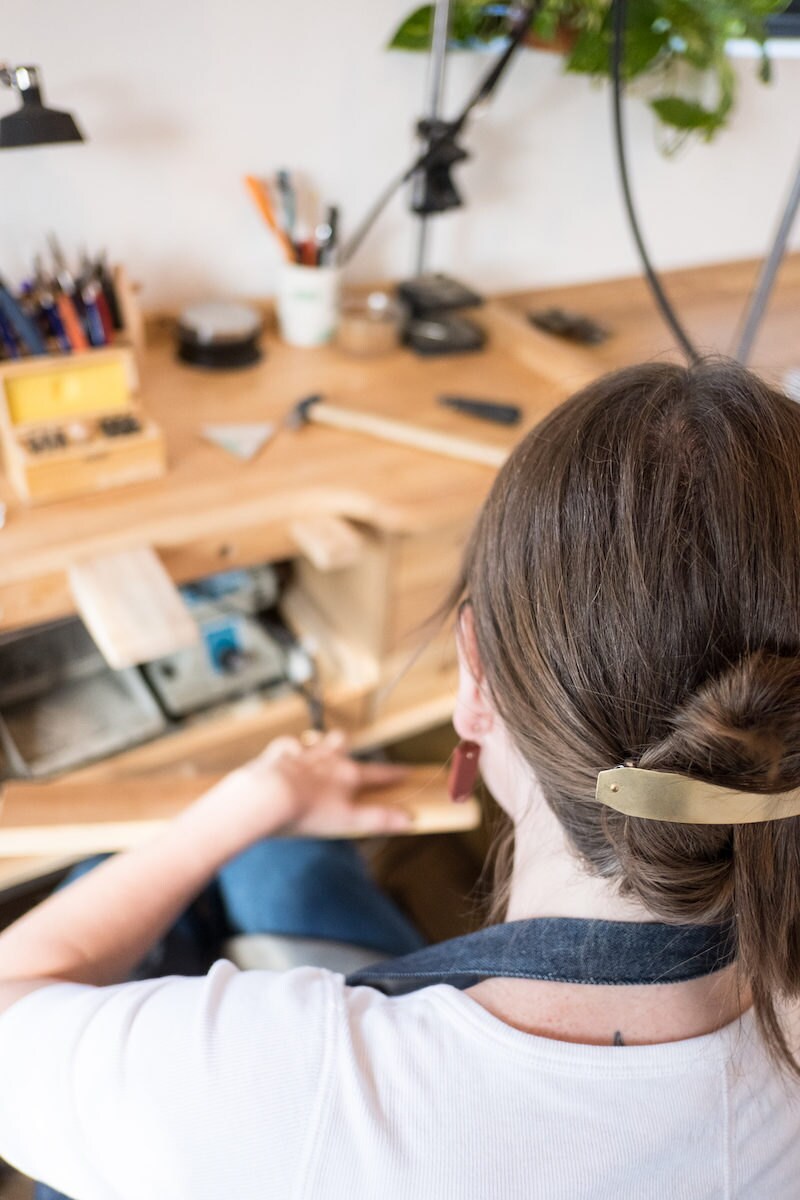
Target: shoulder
<point>138,1008</point>
<point>180,1065</point>
<point>226,1002</point>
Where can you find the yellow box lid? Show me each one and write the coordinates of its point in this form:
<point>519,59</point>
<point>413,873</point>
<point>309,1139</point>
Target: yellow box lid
<point>67,391</point>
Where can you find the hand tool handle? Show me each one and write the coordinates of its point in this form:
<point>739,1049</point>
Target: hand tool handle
<point>94,322</point>
<point>104,312</point>
<point>110,294</point>
<point>71,322</point>
<point>485,410</point>
<point>48,306</point>
<point>404,434</point>
<point>21,323</point>
<point>8,338</point>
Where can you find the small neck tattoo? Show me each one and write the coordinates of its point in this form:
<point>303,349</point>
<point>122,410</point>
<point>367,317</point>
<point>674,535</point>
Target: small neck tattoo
<point>617,1039</point>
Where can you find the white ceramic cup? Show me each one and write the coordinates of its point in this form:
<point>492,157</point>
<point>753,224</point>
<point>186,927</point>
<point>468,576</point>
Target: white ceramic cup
<point>307,303</point>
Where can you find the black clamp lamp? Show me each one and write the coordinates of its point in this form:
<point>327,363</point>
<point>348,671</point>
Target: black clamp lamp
<point>431,328</point>
<point>33,124</point>
<point>437,192</point>
<point>442,152</point>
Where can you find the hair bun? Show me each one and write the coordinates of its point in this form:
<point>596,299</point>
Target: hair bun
<point>741,729</point>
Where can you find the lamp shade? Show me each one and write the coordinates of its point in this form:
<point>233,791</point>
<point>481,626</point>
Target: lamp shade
<point>33,124</point>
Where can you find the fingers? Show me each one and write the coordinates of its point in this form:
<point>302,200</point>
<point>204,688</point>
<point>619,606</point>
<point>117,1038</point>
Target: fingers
<point>311,745</point>
<point>379,818</point>
<point>278,748</point>
<point>350,771</point>
<point>310,737</point>
<point>380,774</point>
<point>329,751</point>
<point>317,737</point>
<point>324,745</point>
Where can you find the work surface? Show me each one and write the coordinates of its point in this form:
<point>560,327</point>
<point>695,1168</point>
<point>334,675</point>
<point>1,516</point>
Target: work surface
<point>210,508</point>
<point>710,302</point>
<point>208,495</point>
<point>413,508</point>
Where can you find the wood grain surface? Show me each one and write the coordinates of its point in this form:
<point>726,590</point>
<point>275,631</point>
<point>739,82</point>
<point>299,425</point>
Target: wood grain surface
<point>208,497</point>
<point>95,816</point>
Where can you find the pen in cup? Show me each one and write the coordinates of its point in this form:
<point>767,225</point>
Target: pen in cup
<point>307,293</point>
<point>325,236</point>
<point>288,198</point>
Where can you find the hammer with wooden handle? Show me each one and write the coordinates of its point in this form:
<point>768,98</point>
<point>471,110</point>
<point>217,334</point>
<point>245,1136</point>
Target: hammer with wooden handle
<point>315,409</point>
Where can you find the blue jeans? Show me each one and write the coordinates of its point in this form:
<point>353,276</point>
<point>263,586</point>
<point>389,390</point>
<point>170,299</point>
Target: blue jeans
<point>306,887</point>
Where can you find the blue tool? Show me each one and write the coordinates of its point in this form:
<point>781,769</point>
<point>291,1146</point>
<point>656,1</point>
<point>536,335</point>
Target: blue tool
<point>8,339</point>
<point>25,329</point>
<point>47,306</point>
<point>223,642</point>
<point>92,320</point>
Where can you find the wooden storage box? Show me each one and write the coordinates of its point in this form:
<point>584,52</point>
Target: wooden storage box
<point>70,425</point>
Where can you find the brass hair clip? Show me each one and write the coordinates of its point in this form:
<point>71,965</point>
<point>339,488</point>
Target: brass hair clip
<point>661,796</point>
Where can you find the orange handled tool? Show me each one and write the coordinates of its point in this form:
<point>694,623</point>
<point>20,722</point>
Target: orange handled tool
<point>262,202</point>
<point>71,322</point>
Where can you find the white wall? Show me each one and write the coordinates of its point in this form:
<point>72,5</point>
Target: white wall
<point>181,97</point>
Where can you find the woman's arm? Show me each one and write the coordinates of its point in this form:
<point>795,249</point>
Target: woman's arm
<point>96,930</point>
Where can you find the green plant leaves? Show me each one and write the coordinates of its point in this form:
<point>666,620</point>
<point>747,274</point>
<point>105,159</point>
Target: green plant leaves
<point>415,31</point>
<point>646,41</point>
<point>686,114</point>
<point>471,24</point>
<point>690,116</point>
<point>659,34</point>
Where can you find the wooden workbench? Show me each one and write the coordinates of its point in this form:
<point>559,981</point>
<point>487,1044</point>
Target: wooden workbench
<point>211,512</point>
<point>412,509</point>
<point>710,301</point>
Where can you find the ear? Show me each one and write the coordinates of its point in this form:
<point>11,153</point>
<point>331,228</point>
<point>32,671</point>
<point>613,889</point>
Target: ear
<point>473,716</point>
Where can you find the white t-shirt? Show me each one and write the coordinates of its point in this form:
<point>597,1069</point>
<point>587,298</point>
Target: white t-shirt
<point>256,1085</point>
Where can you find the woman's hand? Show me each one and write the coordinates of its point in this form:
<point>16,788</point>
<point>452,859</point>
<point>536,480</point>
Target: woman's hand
<point>306,788</point>
<point>97,929</point>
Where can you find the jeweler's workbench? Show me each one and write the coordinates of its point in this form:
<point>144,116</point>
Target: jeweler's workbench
<point>374,530</point>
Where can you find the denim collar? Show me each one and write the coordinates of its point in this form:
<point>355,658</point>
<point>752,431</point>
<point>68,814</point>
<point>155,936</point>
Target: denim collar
<point>562,950</point>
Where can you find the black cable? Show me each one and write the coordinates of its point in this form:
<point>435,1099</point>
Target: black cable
<point>667,311</point>
<point>482,92</point>
<point>520,24</point>
<point>272,623</point>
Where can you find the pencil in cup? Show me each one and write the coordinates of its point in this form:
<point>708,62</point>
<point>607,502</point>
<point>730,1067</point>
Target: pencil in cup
<point>263,203</point>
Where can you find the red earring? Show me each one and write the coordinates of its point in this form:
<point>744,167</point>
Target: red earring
<point>463,771</point>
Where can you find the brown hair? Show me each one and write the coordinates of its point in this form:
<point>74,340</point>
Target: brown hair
<point>635,584</point>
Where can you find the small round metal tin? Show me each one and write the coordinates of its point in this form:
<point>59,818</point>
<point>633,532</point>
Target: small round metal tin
<point>220,335</point>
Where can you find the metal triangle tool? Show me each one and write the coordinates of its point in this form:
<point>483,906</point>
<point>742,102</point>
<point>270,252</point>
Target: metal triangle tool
<point>243,441</point>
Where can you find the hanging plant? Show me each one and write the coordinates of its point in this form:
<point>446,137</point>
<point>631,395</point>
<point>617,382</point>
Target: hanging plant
<point>679,44</point>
